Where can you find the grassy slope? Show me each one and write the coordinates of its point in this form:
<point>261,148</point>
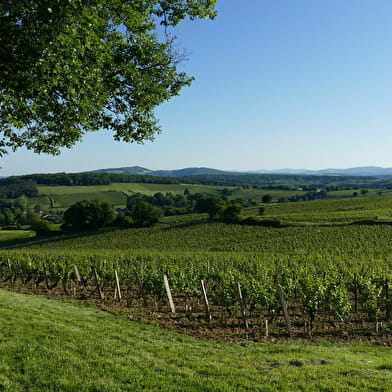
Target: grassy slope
<point>111,197</point>
<point>52,346</point>
<point>7,235</point>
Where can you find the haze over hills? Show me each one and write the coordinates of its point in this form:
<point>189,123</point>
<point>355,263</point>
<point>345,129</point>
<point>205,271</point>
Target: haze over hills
<point>354,171</point>
<point>192,171</point>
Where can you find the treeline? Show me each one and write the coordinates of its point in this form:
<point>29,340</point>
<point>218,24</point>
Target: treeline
<point>265,181</point>
<point>13,211</point>
<point>218,207</point>
<point>171,204</point>
<point>13,190</point>
<point>70,179</point>
<point>176,204</point>
<point>290,182</point>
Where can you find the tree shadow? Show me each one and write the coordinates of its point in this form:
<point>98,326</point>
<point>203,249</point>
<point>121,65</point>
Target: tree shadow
<point>189,224</point>
<point>52,237</point>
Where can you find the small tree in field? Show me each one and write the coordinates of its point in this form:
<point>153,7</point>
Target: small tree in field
<point>231,213</point>
<point>145,214</point>
<point>364,192</point>
<point>266,199</point>
<point>89,214</point>
<point>39,225</point>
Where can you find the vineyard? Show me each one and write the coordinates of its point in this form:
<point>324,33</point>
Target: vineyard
<point>325,298</point>
<point>324,279</point>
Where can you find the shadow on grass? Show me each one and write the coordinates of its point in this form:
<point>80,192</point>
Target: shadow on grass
<point>185,225</point>
<point>52,237</point>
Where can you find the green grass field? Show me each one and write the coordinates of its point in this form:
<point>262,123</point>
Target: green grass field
<point>47,346</point>
<point>9,235</point>
<point>128,188</point>
<point>117,199</point>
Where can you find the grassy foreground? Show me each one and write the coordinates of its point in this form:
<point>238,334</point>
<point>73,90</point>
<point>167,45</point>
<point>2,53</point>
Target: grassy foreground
<point>47,345</point>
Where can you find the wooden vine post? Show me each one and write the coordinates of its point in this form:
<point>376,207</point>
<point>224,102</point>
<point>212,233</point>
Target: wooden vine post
<point>117,290</point>
<point>285,311</point>
<point>387,300</point>
<point>97,283</point>
<point>169,295</point>
<point>355,294</point>
<point>9,265</point>
<point>242,305</point>
<point>77,280</point>
<point>141,289</point>
<point>205,300</point>
<point>77,275</point>
<point>46,276</point>
<point>12,274</point>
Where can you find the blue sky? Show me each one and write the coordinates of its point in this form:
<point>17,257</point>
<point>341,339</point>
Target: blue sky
<point>279,84</point>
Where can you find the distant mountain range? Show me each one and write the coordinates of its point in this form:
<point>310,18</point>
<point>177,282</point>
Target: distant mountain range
<point>354,171</point>
<point>193,171</point>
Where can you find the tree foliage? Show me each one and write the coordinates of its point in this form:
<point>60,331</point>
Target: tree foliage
<point>266,198</point>
<point>17,188</point>
<point>39,225</point>
<point>72,66</point>
<point>89,214</point>
<point>171,204</point>
<point>145,214</point>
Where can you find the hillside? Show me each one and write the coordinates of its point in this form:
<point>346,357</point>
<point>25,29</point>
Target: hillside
<point>191,171</point>
<point>54,346</point>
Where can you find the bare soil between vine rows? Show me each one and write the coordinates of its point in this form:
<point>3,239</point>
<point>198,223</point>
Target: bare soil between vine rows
<point>226,324</point>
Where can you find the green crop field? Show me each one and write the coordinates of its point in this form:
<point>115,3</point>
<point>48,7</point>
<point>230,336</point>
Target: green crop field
<point>350,209</point>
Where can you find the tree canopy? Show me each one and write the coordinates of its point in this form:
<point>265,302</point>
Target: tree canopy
<point>89,214</point>
<point>72,66</point>
<point>145,214</point>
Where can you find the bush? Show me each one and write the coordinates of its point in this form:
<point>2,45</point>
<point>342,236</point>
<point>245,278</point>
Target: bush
<point>39,225</point>
<point>266,199</point>
<point>232,213</point>
<point>123,221</point>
